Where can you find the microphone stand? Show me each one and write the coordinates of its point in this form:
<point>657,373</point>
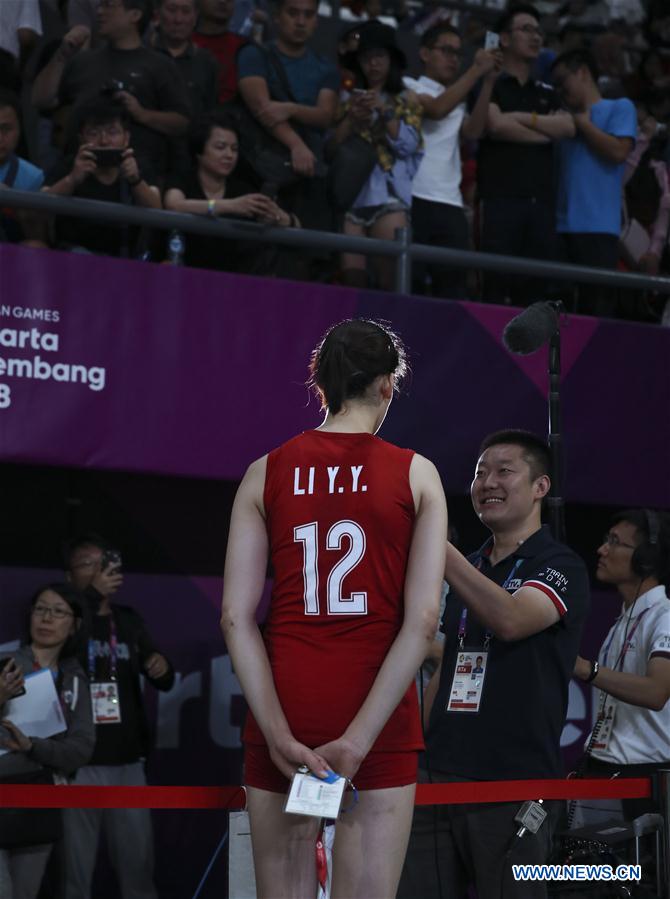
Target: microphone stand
<point>555,500</point>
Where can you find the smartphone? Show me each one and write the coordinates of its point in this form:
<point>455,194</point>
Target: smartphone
<point>111,558</point>
<point>3,664</point>
<point>492,40</point>
<point>108,157</point>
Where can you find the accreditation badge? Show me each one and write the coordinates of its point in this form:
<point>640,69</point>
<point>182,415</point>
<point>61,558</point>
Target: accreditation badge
<point>316,796</point>
<point>604,726</point>
<point>105,703</point>
<point>468,681</point>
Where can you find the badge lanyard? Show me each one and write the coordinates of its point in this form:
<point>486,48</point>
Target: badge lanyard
<point>627,643</point>
<point>463,623</point>
<point>113,653</point>
<point>320,845</point>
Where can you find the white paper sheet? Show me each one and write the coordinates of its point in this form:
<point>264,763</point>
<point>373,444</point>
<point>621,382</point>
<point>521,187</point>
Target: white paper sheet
<point>38,713</point>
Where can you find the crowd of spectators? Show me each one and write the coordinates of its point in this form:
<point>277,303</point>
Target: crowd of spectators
<point>551,143</point>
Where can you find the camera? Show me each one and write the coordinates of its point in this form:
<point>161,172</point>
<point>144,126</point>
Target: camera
<point>106,157</point>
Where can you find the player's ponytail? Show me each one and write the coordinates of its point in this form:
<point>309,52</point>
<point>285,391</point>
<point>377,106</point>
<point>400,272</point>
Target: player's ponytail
<point>349,358</point>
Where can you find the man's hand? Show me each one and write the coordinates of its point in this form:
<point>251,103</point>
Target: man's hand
<point>488,62</point>
<point>303,160</point>
<point>108,581</point>
<point>156,666</point>
<point>129,168</point>
<point>274,113</point>
<point>343,756</point>
<point>11,681</point>
<point>84,164</point>
<point>17,741</point>
<point>288,755</point>
<point>133,106</point>
<point>77,38</point>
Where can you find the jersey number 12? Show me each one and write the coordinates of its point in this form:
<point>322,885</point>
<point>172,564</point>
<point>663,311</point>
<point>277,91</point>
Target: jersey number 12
<point>308,534</point>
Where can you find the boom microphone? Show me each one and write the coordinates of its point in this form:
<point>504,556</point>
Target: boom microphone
<point>528,330</point>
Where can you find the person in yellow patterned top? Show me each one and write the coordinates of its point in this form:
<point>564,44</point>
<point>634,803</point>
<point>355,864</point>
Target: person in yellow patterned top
<point>382,113</point>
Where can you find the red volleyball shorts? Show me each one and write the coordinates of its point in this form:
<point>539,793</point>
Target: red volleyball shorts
<point>379,771</point>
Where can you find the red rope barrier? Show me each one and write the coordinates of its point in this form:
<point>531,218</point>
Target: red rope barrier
<point>31,796</point>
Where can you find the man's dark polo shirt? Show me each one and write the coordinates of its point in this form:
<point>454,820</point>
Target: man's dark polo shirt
<point>200,74</point>
<point>516,733</point>
<point>508,169</point>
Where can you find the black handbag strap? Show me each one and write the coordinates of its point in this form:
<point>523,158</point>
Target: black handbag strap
<point>273,58</point>
<point>12,171</point>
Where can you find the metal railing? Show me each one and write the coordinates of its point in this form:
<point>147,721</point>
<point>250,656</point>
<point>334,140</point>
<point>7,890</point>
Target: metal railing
<point>401,249</point>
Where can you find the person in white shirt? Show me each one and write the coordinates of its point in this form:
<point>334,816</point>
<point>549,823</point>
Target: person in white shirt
<point>631,736</point>
<point>438,217</point>
<point>20,27</point>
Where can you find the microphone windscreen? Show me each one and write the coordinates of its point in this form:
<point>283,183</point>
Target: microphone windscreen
<point>531,328</point>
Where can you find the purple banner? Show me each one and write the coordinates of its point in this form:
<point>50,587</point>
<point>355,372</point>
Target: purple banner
<point>190,372</point>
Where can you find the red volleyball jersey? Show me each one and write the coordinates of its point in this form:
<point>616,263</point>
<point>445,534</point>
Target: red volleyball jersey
<point>340,516</point>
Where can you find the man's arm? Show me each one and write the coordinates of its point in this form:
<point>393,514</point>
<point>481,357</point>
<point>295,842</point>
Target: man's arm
<point>474,127</point>
<point>558,126</point>
<point>609,147</point>
<point>503,126</point>
<point>243,583</point>
<point>423,587</point>
<point>509,616</point>
<point>485,62</point>
<point>47,83</point>
<point>254,91</point>
<point>648,691</point>
<point>173,124</point>
<point>320,116</point>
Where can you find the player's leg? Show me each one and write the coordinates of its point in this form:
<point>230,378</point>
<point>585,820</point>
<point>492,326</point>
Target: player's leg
<point>370,844</point>
<point>284,848</point>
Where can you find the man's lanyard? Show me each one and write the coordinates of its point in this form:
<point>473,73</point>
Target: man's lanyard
<point>113,652</point>
<point>463,623</point>
<point>618,665</point>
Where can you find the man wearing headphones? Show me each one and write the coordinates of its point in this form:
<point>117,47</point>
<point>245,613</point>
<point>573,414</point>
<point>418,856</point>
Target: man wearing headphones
<point>631,736</point>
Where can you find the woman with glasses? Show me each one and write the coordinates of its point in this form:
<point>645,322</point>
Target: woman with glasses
<point>27,835</point>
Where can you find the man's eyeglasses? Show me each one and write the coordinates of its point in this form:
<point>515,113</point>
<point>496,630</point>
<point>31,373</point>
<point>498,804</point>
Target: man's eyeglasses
<point>529,29</point>
<point>446,50</point>
<point>95,132</point>
<point>613,541</point>
<point>58,614</point>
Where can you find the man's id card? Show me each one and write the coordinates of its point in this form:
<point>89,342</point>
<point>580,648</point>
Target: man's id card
<point>604,727</point>
<point>320,797</point>
<point>105,703</point>
<point>468,682</point>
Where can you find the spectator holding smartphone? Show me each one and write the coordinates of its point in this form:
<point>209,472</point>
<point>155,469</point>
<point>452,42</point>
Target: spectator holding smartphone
<point>115,650</point>
<point>104,168</point>
<point>27,835</point>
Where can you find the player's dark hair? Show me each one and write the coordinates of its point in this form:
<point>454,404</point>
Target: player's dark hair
<point>349,358</point>
<point>574,60</point>
<point>535,449</point>
<point>431,36</point>
<point>505,21</point>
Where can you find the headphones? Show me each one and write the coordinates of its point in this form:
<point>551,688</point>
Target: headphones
<point>645,559</point>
